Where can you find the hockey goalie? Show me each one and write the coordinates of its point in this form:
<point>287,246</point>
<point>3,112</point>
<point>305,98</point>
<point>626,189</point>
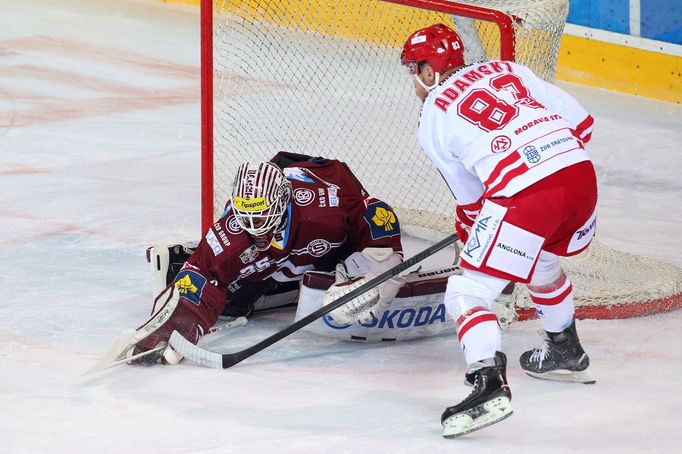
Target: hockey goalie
<point>284,217</point>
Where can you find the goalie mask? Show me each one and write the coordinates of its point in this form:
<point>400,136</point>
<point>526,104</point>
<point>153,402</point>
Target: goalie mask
<point>260,195</point>
<point>437,45</point>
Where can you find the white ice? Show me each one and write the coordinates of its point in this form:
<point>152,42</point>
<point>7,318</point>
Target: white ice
<point>99,158</point>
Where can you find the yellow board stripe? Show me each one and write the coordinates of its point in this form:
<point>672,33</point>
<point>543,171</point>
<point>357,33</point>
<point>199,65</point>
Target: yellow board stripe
<point>620,68</point>
<point>581,60</point>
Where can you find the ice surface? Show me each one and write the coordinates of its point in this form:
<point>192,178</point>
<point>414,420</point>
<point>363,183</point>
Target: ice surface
<point>99,143</point>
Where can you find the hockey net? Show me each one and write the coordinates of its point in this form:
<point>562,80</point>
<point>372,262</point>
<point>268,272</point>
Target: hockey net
<point>323,77</point>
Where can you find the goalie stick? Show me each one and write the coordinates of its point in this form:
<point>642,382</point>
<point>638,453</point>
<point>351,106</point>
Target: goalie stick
<point>126,340</point>
<point>217,360</point>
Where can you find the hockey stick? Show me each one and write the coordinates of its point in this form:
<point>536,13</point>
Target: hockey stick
<point>224,360</point>
<point>126,340</point>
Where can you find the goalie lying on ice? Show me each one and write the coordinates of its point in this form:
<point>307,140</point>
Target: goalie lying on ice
<point>284,217</point>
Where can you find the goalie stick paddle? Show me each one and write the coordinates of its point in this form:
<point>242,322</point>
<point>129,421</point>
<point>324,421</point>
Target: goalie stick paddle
<point>224,360</point>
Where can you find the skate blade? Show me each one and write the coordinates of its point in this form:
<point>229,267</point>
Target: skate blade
<point>490,412</point>
<point>583,376</point>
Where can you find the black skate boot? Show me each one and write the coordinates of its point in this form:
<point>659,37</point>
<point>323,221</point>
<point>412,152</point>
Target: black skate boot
<point>560,357</point>
<point>488,403</point>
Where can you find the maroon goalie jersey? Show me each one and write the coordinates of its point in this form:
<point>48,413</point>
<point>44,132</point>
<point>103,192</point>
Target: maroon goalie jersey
<point>329,217</point>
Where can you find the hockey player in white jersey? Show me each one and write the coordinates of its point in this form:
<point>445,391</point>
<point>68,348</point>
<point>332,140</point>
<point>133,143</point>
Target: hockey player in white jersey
<point>511,148</point>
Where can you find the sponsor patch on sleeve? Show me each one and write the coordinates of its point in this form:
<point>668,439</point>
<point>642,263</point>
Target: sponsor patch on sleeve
<point>190,285</point>
<point>212,241</point>
<point>382,220</point>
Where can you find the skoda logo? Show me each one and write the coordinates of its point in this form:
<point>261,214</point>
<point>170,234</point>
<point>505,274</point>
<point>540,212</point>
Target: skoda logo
<point>330,322</point>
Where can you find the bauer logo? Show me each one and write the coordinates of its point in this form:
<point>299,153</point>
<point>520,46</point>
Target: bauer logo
<point>190,285</point>
<point>400,318</point>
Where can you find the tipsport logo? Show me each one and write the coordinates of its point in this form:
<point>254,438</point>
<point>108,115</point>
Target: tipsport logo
<point>256,204</point>
<point>399,318</point>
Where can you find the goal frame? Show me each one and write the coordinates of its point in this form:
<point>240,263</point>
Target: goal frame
<point>507,52</point>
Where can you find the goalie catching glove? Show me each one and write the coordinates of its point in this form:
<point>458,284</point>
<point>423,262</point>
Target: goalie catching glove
<point>356,270</point>
<point>171,312</point>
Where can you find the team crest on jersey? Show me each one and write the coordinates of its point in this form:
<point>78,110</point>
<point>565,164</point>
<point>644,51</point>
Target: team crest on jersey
<point>304,196</point>
<point>190,285</point>
<point>233,226</point>
<point>318,247</point>
<point>382,220</point>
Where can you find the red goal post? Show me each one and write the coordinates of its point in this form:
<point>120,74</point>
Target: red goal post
<point>323,77</point>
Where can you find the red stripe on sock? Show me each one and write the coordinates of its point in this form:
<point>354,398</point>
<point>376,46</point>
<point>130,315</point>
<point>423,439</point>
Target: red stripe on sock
<point>552,301</point>
<point>484,317</point>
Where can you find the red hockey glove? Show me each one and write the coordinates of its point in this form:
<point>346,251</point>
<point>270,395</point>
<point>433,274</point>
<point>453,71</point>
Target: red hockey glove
<point>465,215</point>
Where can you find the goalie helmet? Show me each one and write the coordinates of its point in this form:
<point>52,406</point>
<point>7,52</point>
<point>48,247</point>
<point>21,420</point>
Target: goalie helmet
<point>259,199</point>
<point>437,45</point>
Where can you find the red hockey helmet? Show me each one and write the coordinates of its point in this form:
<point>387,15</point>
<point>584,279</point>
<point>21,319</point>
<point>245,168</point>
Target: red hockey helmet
<point>438,45</point>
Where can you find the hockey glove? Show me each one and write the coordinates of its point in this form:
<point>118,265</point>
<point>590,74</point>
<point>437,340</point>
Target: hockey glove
<point>358,269</point>
<point>170,313</point>
<point>465,215</point>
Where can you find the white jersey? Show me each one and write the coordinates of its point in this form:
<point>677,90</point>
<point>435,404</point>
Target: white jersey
<point>494,128</point>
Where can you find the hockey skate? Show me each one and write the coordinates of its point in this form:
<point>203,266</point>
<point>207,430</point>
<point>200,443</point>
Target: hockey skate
<point>560,357</point>
<point>488,403</point>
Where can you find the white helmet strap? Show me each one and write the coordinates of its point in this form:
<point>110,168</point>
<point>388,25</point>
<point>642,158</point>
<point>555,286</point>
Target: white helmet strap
<point>428,87</point>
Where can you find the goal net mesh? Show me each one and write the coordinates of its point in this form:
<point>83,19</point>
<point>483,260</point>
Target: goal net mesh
<point>323,77</point>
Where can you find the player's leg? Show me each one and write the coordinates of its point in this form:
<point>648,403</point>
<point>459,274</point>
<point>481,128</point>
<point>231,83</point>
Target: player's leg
<point>468,299</point>
<point>560,355</point>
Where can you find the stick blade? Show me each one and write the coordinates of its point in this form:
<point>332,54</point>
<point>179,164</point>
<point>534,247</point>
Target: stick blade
<point>115,353</point>
<point>195,353</point>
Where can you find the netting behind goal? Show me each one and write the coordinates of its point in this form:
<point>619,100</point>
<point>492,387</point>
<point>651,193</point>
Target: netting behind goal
<point>323,77</point>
